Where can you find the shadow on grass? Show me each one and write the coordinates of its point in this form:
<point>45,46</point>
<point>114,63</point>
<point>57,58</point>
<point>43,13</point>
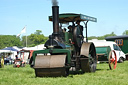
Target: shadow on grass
<point>101,69</point>
<point>76,72</point>
<point>71,74</point>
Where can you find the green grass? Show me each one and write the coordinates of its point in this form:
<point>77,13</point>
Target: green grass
<point>103,76</point>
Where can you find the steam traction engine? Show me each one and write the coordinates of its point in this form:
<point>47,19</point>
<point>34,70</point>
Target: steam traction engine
<point>65,50</point>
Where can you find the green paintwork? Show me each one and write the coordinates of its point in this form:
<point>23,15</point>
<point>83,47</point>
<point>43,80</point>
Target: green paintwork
<point>69,17</point>
<point>69,45</point>
<point>66,37</point>
<point>104,51</point>
<point>68,52</point>
<point>124,48</point>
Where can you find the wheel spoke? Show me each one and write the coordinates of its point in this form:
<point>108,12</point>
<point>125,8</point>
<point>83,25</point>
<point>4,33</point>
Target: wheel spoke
<point>90,51</point>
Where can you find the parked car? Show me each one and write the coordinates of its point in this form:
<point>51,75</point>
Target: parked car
<point>119,53</point>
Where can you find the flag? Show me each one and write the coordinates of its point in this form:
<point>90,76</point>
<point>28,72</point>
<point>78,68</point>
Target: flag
<point>23,30</point>
<point>18,35</point>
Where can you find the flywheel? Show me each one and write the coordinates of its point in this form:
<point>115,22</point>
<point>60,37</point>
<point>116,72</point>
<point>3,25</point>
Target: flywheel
<point>77,37</point>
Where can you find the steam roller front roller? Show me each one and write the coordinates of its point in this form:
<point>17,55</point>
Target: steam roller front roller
<point>88,58</point>
<point>50,65</point>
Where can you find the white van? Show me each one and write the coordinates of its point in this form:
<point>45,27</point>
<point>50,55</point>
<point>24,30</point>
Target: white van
<point>119,53</point>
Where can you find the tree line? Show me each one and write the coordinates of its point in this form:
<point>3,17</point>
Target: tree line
<point>107,35</point>
<point>9,40</point>
<point>37,38</point>
<point>33,39</point>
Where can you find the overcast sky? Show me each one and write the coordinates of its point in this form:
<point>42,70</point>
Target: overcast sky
<point>112,15</point>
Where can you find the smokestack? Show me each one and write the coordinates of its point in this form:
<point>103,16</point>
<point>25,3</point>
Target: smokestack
<point>55,16</point>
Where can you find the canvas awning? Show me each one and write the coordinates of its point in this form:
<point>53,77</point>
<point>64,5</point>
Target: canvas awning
<point>10,48</point>
<point>69,17</point>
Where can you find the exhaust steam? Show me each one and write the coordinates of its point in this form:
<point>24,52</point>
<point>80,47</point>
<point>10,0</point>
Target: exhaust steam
<point>54,2</point>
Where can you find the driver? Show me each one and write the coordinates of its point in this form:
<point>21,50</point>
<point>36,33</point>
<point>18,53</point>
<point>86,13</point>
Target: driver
<point>70,28</point>
<point>80,26</point>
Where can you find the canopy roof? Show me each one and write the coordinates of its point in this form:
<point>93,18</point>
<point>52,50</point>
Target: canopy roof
<point>117,37</point>
<point>5,51</point>
<point>10,48</point>
<point>69,17</point>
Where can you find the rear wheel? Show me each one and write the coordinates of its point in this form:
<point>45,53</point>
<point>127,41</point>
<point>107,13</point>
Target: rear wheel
<point>121,60</point>
<point>88,57</point>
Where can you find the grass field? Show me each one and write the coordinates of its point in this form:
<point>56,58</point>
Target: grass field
<point>103,76</point>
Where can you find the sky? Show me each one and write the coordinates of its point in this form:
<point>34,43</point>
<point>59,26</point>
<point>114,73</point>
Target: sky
<point>112,15</point>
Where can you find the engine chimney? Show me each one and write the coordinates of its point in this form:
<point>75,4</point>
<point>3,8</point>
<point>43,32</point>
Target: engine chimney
<point>55,41</point>
<point>55,19</point>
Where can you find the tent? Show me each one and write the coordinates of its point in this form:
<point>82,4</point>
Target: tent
<point>10,48</point>
<point>9,52</point>
<point>5,51</point>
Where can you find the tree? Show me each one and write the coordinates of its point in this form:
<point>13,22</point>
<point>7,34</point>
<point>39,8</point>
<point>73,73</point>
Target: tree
<point>102,37</point>
<point>29,42</point>
<point>9,41</point>
<point>112,34</point>
<point>92,37</point>
<point>38,32</point>
<point>125,32</point>
<point>107,35</point>
<point>34,39</point>
<point>38,39</point>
